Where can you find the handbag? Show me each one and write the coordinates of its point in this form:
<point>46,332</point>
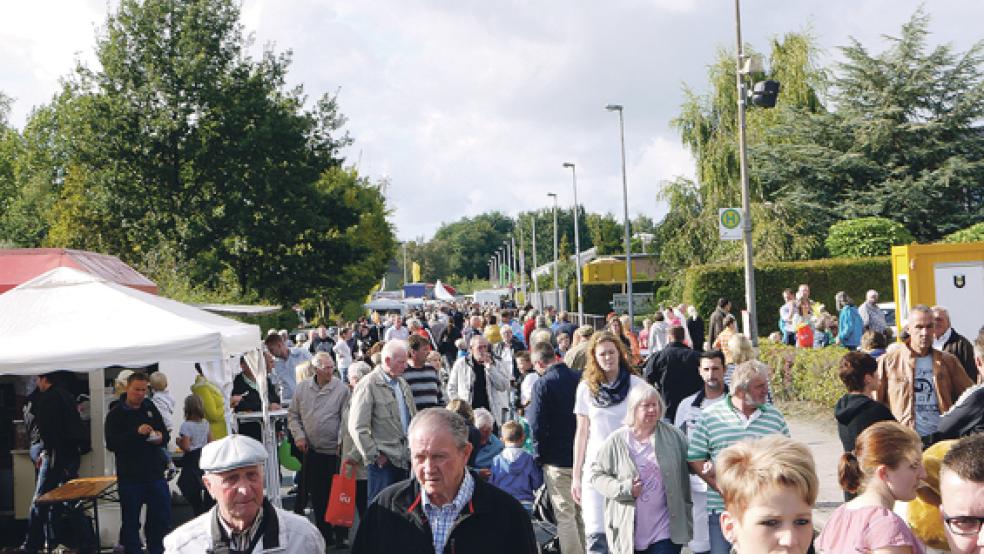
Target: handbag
<point>341,503</point>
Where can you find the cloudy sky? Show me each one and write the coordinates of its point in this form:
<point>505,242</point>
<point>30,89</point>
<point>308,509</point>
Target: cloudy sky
<point>468,105</point>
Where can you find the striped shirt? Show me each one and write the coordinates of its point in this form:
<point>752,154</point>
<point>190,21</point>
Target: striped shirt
<point>721,425</point>
<point>425,384</point>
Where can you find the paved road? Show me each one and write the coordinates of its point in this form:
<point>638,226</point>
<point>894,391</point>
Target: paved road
<point>821,437</point>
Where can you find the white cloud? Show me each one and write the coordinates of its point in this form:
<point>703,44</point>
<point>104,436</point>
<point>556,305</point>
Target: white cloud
<point>470,105</point>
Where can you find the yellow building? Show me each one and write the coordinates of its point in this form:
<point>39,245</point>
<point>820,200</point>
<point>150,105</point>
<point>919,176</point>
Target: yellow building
<point>949,275</point>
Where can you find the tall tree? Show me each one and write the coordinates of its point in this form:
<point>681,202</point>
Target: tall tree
<point>181,138</point>
<point>905,142</point>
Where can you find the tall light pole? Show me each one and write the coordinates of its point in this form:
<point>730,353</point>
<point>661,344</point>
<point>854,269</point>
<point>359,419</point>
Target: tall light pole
<point>625,207</point>
<point>745,200</point>
<point>498,255</point>
<point>555,269</point>
<point>536,286</point>
<point>577,247</point>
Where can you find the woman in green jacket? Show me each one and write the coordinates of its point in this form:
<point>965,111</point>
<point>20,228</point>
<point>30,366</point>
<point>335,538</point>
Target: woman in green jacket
<point>641,470</point>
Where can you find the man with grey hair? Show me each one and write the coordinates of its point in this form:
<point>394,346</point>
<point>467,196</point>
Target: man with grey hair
<point>916,382</point>
<point>314,419</point>
<point>744,413</point>
<point>381,409</point>
<point>242,518</point>
<point>947,339</point>
<point>480,379</point>
<point>552,428</point>
<point>445,508</point>
<point>871,314</point>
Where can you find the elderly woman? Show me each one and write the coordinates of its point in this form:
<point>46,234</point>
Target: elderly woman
<point>641,470</point>
<point>489,446</point>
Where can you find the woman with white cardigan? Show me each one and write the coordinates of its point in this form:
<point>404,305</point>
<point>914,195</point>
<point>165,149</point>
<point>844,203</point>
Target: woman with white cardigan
<point>641,470</point>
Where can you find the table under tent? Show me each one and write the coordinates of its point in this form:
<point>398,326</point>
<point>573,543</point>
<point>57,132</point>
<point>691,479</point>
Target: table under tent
<point>66,319</point>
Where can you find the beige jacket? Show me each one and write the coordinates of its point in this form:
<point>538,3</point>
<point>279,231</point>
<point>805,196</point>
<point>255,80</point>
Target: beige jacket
<point>613,471</point>
<point>897,375</point>
<point>374,420</point>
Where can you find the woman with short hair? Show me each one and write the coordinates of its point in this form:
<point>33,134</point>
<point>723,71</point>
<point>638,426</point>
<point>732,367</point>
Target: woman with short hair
<point>642,472</point>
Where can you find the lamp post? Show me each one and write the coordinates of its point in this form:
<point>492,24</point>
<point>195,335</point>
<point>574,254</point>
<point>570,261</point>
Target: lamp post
<point>498,255</point>
<point>536,286</point>
<point>577,247</point>
<point>555,270</point>
<point>745,200</point>
<point>625,207</point>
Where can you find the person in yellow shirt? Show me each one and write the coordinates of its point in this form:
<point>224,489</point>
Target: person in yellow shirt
<point>214,404</point>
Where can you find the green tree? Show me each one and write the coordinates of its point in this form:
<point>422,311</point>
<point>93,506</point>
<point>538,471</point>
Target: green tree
<point>470,242</point>
<point>607,234</point>
<point>866,237</point>
<point>904,142</point>
<point>974,233</point>
<point>181,138</point>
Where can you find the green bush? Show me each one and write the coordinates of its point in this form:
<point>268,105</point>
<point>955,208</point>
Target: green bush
<point>804,373</point>
<point>703,285</point>
<point>974,233</point>
<point>866,236</point>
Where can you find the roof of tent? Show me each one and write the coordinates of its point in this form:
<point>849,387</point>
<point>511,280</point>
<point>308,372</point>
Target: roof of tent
<point>68,319</point>
<point>18,265</point>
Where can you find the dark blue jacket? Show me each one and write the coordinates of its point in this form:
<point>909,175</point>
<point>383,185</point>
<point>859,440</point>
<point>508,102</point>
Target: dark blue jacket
<point>551,415</point>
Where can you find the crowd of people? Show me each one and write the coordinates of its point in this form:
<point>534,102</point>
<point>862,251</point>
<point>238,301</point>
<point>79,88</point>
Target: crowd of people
<point>467,426</point>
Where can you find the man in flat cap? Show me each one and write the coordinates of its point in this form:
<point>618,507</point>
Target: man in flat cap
<point>243,520</point>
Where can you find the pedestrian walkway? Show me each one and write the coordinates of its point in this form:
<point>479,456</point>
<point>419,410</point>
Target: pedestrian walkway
<point>822,439</point>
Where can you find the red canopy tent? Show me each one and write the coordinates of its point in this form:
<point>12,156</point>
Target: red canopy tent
<point>18,265</point>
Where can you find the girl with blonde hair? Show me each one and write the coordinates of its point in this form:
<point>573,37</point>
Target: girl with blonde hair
<point>600,406</point>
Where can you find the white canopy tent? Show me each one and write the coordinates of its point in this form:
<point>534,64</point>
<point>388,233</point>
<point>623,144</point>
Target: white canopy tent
<point>66,319</point>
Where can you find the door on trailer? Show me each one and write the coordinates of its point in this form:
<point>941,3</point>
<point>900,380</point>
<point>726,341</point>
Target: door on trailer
<point>960,289</point>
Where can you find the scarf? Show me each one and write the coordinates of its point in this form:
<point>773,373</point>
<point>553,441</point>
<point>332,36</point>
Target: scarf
<point>613,393</point>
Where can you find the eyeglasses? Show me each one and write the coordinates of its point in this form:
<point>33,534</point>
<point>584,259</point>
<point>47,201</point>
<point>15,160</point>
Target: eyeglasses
<point>966,526</point>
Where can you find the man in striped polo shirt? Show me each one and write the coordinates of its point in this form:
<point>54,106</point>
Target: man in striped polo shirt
<point>424,380</point>
<point>743,414</point>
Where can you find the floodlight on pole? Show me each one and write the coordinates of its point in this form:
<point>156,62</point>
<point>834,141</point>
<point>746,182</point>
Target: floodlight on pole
<point>555,268</point>
<point>625,207</point>
<point>577,247</point>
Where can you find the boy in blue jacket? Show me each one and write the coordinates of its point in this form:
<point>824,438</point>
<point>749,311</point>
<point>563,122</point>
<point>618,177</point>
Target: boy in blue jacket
<point>514,469</point>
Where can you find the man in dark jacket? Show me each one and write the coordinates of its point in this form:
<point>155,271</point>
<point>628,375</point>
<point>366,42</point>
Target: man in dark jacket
<point>947,339</point>
<point>552,425</point>
<point>63,436</point>
<point>445,509</point>
<point>135,432</point>
<point>674,371</point>
<point>716,321</point>
<point>966,417</point>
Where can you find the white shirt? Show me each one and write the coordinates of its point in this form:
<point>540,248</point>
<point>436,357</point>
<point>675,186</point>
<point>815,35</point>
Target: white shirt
<point>343,354</point>
<point>393,333</point>
<point>297,535</point>
<point>526,388</point>
<point>938,343</point>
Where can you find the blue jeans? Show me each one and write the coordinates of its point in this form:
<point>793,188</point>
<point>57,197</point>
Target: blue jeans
<point>664,546</point>
<point>719,545</point>
<point>381,477</point>
<point>133,497</point>
<point>50,476</point>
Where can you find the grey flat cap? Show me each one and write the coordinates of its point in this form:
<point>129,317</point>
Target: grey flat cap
<point>232,452</point>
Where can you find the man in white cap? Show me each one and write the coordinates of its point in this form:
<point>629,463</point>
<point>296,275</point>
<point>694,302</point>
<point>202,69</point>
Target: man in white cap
<point>242,520</point>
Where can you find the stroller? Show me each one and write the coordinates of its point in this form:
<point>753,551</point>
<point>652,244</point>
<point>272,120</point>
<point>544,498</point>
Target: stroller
<point>544,523</point>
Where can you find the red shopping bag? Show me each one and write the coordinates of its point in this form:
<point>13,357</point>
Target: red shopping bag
<point>341,503</point>
<point>804,337</point>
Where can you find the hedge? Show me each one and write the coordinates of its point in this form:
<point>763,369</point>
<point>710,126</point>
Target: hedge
<point>804,373</point>
<point>703,285</point>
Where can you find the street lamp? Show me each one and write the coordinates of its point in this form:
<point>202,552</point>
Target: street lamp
<point>577,247</point>
<point>625,207</point>
<point>536,286</point>
<point>498,254</point>
<point>556,279</point>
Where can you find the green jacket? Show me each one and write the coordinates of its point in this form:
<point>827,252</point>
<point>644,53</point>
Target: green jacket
<point>214,403</point>
<point>612,474</point>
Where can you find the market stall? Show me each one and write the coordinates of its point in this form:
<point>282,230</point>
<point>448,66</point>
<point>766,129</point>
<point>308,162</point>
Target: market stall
<point>88,324</point>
